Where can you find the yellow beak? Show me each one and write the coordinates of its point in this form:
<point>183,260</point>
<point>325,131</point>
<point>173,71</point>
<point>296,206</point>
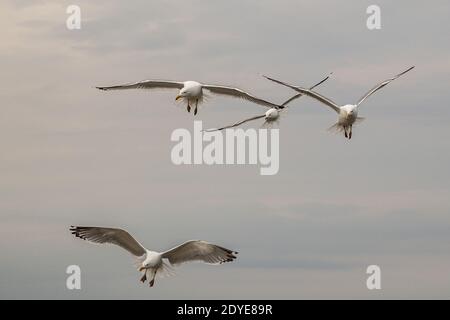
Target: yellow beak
<point>141,269</point>
<point>178,97</point>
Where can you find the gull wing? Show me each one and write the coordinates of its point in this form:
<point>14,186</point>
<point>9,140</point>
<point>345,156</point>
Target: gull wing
<point>381,85</point>
<point>198,250</point>
<point>238,93</point>
<point>237,123</point>
<point>310,93</point>
<point>147,84</point>
<point>115,236</point>
<point>284,104</point>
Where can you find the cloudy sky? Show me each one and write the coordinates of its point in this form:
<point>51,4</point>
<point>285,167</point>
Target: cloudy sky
<point>74,155</point>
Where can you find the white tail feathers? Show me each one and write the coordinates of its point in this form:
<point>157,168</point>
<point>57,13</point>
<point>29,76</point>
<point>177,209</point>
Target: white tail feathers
<point>336,128</point>
<point>339,128</point>
<point>359,120</point>
<point>164,271</point>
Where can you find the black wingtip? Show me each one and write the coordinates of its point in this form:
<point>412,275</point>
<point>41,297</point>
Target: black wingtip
<point>409,69</point>
<point>403,72</point>
<point>75,230</point>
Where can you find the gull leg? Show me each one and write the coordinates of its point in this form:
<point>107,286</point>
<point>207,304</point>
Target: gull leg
<point>188,108</point>
<point>152,282</point>
<point>350,133</point>
<point>265,124</point>
<point>144,277</point>
<point>345,132</point>
<point>196,106</point>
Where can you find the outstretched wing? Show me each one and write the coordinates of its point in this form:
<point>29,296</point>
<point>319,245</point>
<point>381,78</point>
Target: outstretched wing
<point>237,123</point>
<point>147,84</point>
<point>118,237</point>
<point>238,93</point>
<point>381,85</point>
<point>309,93</point>
<point>284,104</point>
<point>198,250</point>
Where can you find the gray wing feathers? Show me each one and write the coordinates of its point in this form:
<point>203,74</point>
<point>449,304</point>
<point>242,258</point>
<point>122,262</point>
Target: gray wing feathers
<point>237,123</point>
<point>197,250</point>
<point>118,237</point>
<point>238,93</point>
<point>309,93</point>
<point>301,94</point>
<point>147,84</point>
<point>381,85</point>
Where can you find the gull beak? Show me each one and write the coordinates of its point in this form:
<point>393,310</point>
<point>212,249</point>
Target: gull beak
<point>141,269</point>
<point>178,97</point>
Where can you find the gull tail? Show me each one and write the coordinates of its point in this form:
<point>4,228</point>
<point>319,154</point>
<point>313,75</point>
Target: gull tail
<point>165,271</point>
<point>336,128</point>
<point>359,120</point>
<point>270,124</point>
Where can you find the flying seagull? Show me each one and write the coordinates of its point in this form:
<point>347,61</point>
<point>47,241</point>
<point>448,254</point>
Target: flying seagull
<point>191,91</point>
<point>152,262</point>
<point>271,115</point>
<point>347,114</point>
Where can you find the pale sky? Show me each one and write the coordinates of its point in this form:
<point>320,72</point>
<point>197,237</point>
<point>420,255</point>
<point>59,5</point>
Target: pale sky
<point>72,155</point>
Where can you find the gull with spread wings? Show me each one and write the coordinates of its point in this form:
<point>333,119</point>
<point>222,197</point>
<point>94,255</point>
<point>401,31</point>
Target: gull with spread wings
<point>151,262</point>
<point>192,92</point>
<point>271,115</point>
<point>347,114</point>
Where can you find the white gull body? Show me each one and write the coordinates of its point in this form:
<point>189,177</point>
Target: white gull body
<point>347,114</point>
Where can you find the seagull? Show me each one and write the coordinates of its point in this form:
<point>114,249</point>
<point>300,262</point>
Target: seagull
<point>191,91</point>
<point>347,114</point>
<point>152,262</point>
<point>271,115</point>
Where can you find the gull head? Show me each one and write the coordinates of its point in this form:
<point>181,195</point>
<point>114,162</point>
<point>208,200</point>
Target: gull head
<point>350,110</point>
<point>272,114</point>
<point>143,268</point>
<point>182,94</point>
<point>145,265</point>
